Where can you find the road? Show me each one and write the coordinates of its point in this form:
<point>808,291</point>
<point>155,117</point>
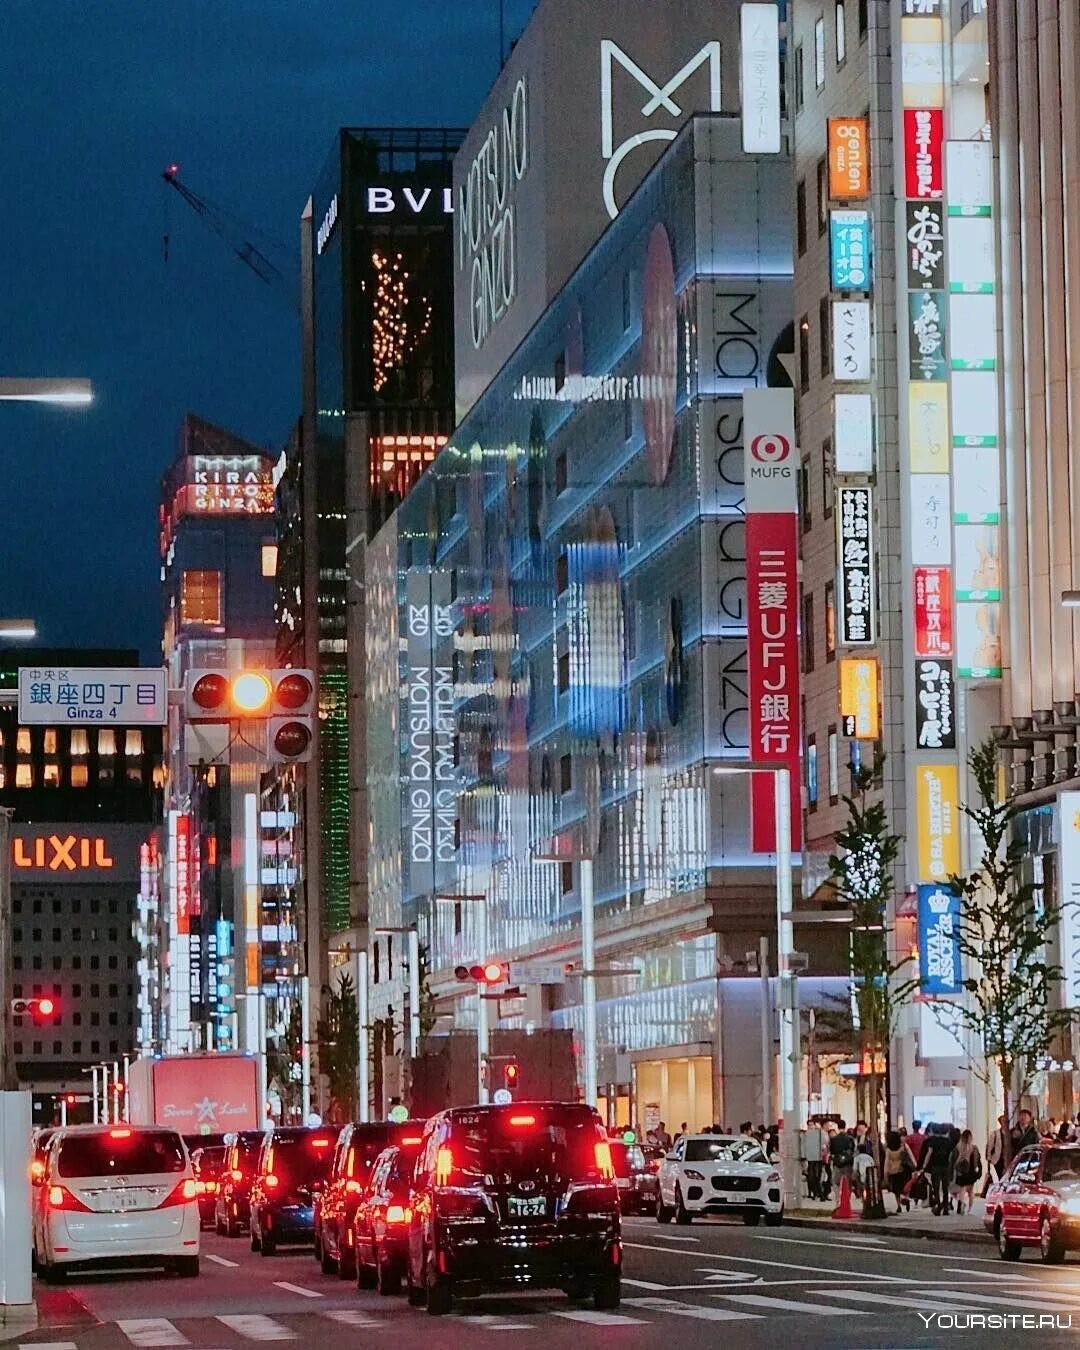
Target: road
<point>682,1288</point>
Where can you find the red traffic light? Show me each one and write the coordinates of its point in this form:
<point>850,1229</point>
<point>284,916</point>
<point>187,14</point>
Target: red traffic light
<point>70,1099</point>
<point>491,972</point>
<point>42,1009</point>
<point>293,690</point>
<point>45,1007</point>
<point>210,691</point>
<point>512,1074</point>
<point>292,739</point>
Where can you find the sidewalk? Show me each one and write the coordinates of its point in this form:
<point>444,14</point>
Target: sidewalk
<point>918,1223</point>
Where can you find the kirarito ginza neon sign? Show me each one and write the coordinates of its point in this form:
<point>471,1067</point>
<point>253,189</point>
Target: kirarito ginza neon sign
<point>63,853</point>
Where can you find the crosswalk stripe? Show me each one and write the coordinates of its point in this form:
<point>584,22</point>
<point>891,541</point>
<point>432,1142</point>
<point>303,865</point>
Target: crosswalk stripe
<point>256,1327</point>
<point>789,1305</point>
<point>601,1319</point>
<point>492,1322</point>
<point>925,1304</point>
<point>152,1331</point>
<point>221,1260</point>
<point>297,1289</point>
<point>676,1309</point>
<point>1018,1302</point>
<point>354,1317</point>
<point>50,1345</point>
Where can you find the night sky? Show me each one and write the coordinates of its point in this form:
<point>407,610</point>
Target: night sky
<point>98,97</point>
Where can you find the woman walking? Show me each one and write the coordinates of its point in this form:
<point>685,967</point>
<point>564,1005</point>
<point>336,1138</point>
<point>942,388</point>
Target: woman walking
<point>899,1168</point>
<point>966,1168</point>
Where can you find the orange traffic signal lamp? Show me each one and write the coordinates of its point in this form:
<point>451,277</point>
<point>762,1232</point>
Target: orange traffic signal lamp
<point>41,1010</point>
<point>512,1075</point>
<point>490,972</point>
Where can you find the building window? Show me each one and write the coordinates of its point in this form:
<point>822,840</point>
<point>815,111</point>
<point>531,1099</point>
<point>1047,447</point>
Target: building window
<point>566,773</point>
<point>834,765</point>
<point>561,476</point>
<point>822,195</point>
<point>800,80</point>
<point>864,18</point>
<point>804,353</point>
<point>106,741</point>
<point>811,773</point>
<point>51,776</point>
<point>827,491</point>
<point>23,777</point>
<point>627,418</point>
<point>80,776</point>
<point>841,32</point>
<point>200,597</point>
<point>48,743</point>
<point>627,302</point>
<point>269,560</point>
<point>80,743</point>
<point>22,741</point>
<point>564,672</point>
<point>825,333</point>
<point>804,495</point>
<point>819,53</point>
<point>566,877</point>
<point>133,743</point>
<point>562,573</point>
<point>800,216</point>
<point>830,621</point>
<point>375,969</point>
<point>808,633</point>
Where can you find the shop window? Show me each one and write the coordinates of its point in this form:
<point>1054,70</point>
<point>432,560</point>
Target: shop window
<point>800,216</point>
<point>200,597</point>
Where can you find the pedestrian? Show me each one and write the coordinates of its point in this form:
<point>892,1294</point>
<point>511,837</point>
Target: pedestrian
<point>864,1155</point>
<point>916,1138</point>
<point>995,1154</point>
<point>662,1137</point>
<point>965,1166</point>
<point>934,1162</point>
<point>746,1129</point>
<point>681,1133</point>
<point>1066,1134</point>
<point>772,1144</point>
<point>842,1154</point>
<point>1024,1133</point>
<point>899,1168</point>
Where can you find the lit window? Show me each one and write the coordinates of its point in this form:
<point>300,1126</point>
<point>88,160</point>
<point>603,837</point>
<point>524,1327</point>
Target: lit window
<point>106,741</point>
<point>80,742</point>
<point>269,560</point>
<point>22,744</point>
<point>200,597</point>
<point>819,53</point>
<point>133,743</point>
<point>50,740</point>
<point>80,775</point>
<point>841,32</point>
<point>23,778</point>
<point>52,774</point>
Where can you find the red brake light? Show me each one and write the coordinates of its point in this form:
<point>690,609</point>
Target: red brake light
<point>412,1139</point>
<point>320,1143</point>
<point>522,1120</point>
<point>37,1169</point>
<point>270,1181</point>
<point>181,1194</point>
<point>603,1160</point>
<point>353,1188</point>
<point>397,1214</point>
<point>119,1134</point>
<point>236,1174</point>
<point>444,1165</point>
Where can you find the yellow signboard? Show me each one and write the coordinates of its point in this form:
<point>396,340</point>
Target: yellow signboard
<point>859,698</point>
<point>937,809</point>
<point>928,426</point>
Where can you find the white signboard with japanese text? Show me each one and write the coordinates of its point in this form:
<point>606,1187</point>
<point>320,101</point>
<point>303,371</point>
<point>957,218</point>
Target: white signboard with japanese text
<point>54,695</point>
<point>760,78</point>
<point>853,433</point>
<point>851,340</point>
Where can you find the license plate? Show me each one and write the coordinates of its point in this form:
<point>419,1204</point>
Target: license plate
<point>521,1207</point>
<point>734,1198</point>
<point>623,1183</point>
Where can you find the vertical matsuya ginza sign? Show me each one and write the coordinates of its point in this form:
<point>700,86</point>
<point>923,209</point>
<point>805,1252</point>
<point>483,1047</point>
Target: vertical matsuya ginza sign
<point>772,580</point>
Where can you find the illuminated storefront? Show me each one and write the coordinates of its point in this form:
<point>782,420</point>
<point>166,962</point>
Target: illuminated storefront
<point>557,645</point>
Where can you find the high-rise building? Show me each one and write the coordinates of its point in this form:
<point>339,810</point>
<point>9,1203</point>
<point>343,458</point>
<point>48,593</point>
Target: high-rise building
<point>86,801</point>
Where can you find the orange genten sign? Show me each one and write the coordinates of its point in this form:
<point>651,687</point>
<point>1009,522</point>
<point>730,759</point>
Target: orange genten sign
<point>849,158</point>
<point>62,853</point>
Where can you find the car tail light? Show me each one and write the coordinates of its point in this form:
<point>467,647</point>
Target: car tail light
<point>120,1134</point>
<point>200,1188</point>
<point>444,1165</point>
<point>236,1174</point>
<point>522,1122</point>
<point>37,1169</point>
<point>62,1199</point>
<point>353,1188</point>
<point>181,1194</point>
<point>210,1187</point>
<point>604,1164</point>
<point>412,1139</point>
<point>320,1143</point>
<point>397,1214</point>
<point>271,1181</point>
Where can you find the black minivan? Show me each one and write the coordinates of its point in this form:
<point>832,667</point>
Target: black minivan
<point>514,1196</point>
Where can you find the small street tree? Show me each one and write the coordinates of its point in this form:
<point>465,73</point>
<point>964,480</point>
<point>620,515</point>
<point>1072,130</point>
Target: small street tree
<point>861,871</point>
<point>339,1046</point>
<point>1003,933</point>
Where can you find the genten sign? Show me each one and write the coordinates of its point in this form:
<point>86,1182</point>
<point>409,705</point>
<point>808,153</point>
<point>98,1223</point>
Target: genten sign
<point>487,216</point>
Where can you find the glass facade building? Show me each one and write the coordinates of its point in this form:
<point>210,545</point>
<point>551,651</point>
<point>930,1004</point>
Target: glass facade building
<point>557,647</point>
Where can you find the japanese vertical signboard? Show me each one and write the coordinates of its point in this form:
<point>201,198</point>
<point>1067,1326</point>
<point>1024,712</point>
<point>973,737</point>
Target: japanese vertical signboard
<point>1069,899</point>
<point>851,340</point>
<point>760,72</point>
<point>935,727</point>
<point>938,819</point>
<point>855,551</point>
<point>849,250</point>
<point>859,698</point>
<point>939,952</point>
<point>772,578</point>
<point>183,874</point>
<point>849,158</point>
<point>923,134</point>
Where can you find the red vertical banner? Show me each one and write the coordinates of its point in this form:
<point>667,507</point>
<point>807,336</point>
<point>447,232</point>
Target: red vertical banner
<point>183,874</point>
<point>772,580</point>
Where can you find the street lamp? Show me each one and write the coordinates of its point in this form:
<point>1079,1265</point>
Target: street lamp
<point>18,630</point>
<point>62,392</point>
<point>588,966</point>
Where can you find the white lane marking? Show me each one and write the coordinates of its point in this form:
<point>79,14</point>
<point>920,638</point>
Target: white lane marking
<point>782,1265</point>
<point>674,1237</point>
<point>735,1276</point>
<point>353,1317</point>
<point>1041,1304</point>
<point>492,1322</point>
<point>790,1305</point>
<point>297,1289</point>
<point>676,1309</point>
<point>50,1345</point>
<point>256,1327</point>
<point>858,1240</point>
<point>649,1284</point>
<point>890,1251</point>
<point>601,1319</point>
<point>152,1331</point>
<point>221,1261</point>
<point>924,1304</point>
<point>994,1275</point>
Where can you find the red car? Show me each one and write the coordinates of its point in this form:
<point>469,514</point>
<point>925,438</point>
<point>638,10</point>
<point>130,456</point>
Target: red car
<point>1037,1203</point>
<point>380,1236</point>
<point>358,1146</point>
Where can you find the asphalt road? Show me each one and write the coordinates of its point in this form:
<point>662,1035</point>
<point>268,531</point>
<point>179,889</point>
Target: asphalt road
<point>713,1283</point>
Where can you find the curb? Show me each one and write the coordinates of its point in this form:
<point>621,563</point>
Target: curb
<point>879,1226</point>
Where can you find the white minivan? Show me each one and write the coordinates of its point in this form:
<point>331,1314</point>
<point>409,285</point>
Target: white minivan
<point>116,1195</point>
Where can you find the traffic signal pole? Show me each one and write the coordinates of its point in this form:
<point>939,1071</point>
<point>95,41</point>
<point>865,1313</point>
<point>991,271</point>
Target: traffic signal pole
<point>8,1079</point>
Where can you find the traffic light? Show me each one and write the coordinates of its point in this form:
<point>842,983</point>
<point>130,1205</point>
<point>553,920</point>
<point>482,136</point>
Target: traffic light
<point>40,1010</point>
<point>512,1075</point>
<point>71,1099</point>
<point>491,972</point>
<point>220,695</point>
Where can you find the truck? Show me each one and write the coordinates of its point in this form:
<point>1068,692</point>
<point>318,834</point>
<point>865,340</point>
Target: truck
<point>198,1095</point>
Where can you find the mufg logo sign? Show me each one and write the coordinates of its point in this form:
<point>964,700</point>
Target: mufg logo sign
<point>660,98</point>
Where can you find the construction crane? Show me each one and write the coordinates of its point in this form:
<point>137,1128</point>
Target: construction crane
<point>233,231</point>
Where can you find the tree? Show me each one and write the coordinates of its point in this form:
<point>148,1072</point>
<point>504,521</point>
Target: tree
<point>1003,932</point>
<point>338,1036</point>
<point>284,1064</point>
<point>428,1015</point>
<point>862,876</point>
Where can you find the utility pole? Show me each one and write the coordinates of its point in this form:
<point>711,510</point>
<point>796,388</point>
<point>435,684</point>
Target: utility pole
<point>8,1080</point>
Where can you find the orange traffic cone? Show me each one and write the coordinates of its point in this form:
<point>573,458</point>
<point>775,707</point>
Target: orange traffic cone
<point>843,1210</point>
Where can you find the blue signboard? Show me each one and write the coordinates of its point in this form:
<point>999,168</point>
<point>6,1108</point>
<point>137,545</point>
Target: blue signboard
<point>849,250</point>
<point>939,955</point>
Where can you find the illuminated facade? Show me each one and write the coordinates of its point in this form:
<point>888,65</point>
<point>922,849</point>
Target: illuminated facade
<point>557,652</point>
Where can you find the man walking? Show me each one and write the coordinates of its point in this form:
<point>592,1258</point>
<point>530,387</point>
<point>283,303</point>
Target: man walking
<point>995,1155</point>
<point>934,1160</point>
<point>842,1154</point>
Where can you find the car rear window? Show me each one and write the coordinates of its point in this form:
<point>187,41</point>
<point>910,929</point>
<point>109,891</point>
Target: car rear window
<point>527,1145</point>
<point>724,1150</point>
<point>209,1160</point>
<point>1063,1164</point>
<point>119,1153</point>
<point>301,1158</point>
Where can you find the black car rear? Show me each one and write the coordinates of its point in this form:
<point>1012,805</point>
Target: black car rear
<point>639,1187</point>
<point>510,1196</point>
<point>208,1164</point>
<point>293,1167</point>
<point>233,1200</point>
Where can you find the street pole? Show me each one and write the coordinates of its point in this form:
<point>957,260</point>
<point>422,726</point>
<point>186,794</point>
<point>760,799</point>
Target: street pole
<point>789,992</point>
<point>94,1076</point>
<point>127,1070</point>
<point>363,1068</point>
<point>9,1081</point>
<point>116,1092</point>
<point>483,1046</point>
<point>305,1048</point>
<point>588,978</point>
<point>766,1033</point>
<point>414,993</point>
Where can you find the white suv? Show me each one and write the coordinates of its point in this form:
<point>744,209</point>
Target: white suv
<point>719,1174</point>
<point>117,1195</point>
